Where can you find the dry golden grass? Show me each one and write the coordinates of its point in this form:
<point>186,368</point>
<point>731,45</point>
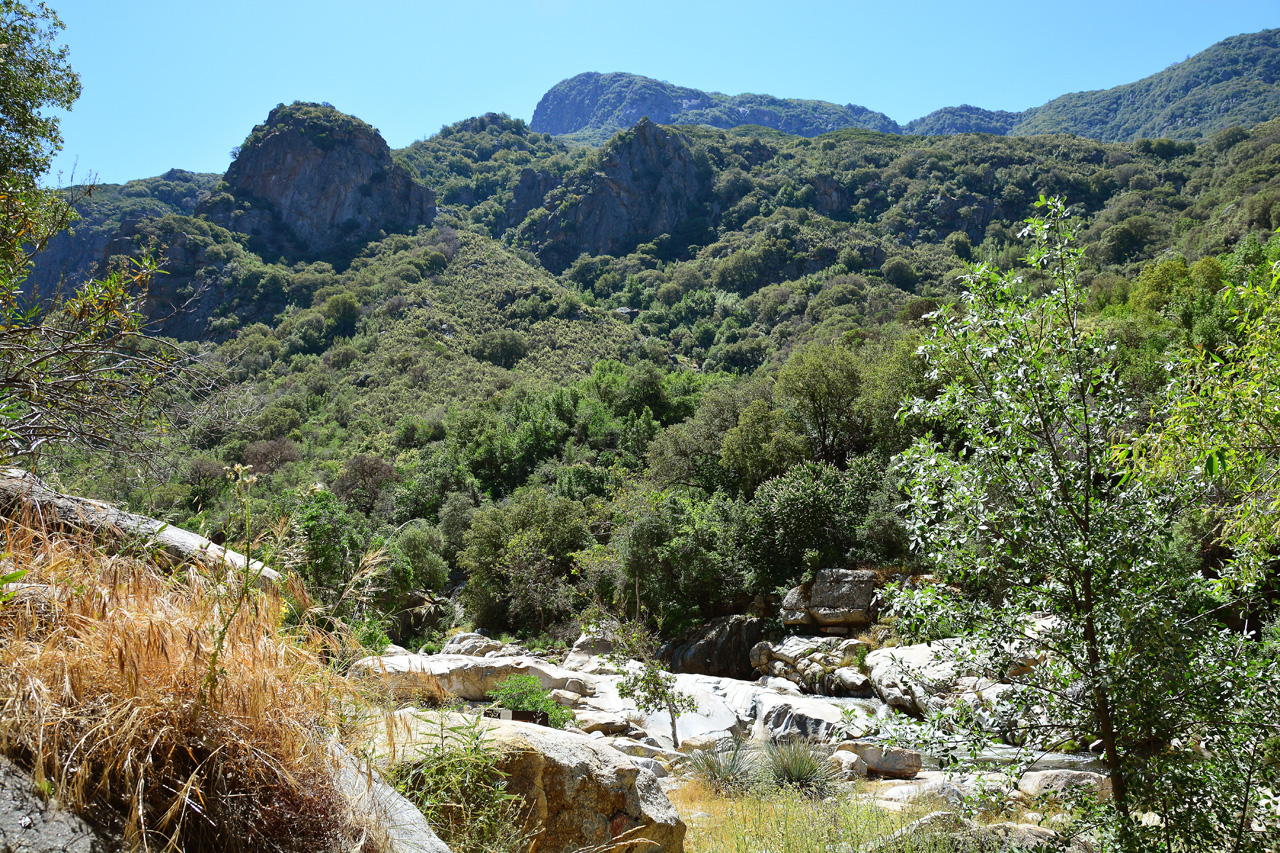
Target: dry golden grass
<point>105,695</point>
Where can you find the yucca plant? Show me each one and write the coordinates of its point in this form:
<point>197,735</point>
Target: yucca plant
<point>725,771</point>
<point>800,765</point>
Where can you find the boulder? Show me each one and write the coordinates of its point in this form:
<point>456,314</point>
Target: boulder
<point>712,716</point>
<point>589,653</point>
<point>939,789</point>
<point>581,792</point>
<point>1062,784</point>
<point>21,491</point>
<point>465,676</point>
<point>31,824</point>
<point>473,644</point>
<point>406,829</point>
<point>883,760</point>
<point>843,597</point>
<point>781,717</point>
<point>913,678</point>
<point>826,666</point>
<point>837,600</point>
<point>720,648</point>
<point>849,765</point>
<point>601,721</point>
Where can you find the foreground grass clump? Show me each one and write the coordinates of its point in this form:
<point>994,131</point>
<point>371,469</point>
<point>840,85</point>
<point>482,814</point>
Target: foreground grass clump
<point>108,696</point>
<point>787,820</point>
<point>458,786</point>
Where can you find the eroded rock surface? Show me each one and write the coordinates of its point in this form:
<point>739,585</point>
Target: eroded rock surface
<point>582,793</point>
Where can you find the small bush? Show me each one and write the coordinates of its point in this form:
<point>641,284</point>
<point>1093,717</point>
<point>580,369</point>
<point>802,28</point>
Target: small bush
<point>799,765</point>
<point>525,693</point>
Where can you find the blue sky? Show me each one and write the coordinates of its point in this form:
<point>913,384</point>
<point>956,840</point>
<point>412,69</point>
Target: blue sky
<point>179,83</point>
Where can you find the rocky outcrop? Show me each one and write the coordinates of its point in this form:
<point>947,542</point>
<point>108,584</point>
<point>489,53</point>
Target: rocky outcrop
<point>31,824</point>
<point>836,602</point>
<point>311,177</point>
<point>914,678</point>
<point>645,183</point>
<point>465,676</point>
<point>827,666</point>
<point>582,793</point>
<point>23,495</point>
<point>720,648</point>
<point>1063,784</point>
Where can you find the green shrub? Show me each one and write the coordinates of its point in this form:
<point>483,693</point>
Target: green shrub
<point>525,693</point>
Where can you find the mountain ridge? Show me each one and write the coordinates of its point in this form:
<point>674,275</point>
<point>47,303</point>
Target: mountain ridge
<point>1233,82</point>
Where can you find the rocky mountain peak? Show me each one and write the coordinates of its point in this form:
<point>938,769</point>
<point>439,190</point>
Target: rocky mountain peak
<point>311,177</point>
<point>644,183</point>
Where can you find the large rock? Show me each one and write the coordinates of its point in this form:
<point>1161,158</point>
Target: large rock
<point>312,177</point>
<point>884,760</point>
<point>712,717</point>
<point>721,648</point>
<point>475,645</point>
<point>826,666</point>
<point>590,653</point>
<point>914,678</point>
<point>21,491</point>
<point>467,677</point>
<point>1062,784</point>
<point>582,793</point>
<point>837,600</point>
<point>406,829</point>
<point>31,824</point>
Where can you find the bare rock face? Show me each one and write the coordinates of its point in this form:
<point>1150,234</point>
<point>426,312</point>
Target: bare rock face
<point>312,177</point>
<point>30,824</point>
<point>721,648</point>
<point>646,183</point>
<point>466,676</point>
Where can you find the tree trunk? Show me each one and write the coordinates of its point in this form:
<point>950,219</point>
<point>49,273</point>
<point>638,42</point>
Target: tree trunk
<point>675,738</point>
<point>22,492</point>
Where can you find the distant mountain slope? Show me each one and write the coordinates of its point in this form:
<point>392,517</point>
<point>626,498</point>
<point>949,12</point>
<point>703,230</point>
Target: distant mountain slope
<point>592,107</point>
<point>72,257</point>
<point>1234,82</point>
<point>949,121</point>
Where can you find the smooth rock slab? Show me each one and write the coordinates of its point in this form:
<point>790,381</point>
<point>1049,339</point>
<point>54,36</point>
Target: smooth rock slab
<point>467,677</point>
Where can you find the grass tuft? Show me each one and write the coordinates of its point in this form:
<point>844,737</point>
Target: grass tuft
<point>800,766</point>
<point>104,661</point>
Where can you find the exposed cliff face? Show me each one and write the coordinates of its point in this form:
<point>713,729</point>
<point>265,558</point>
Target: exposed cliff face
<point>593,106</point>
<point>645,183</point>
<point>312,177</point>
<point>73,256</point>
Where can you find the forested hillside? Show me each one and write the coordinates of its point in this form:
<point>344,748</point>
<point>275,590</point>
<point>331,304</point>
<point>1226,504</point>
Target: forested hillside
<point>662,323</point>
